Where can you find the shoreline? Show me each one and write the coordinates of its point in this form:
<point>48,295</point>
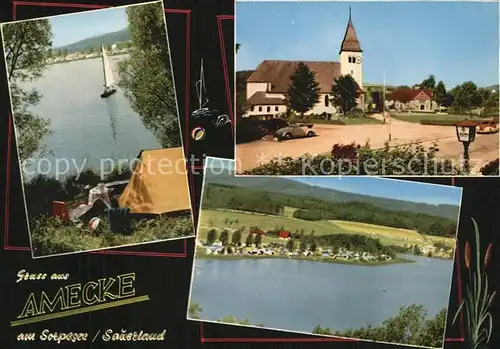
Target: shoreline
<point>309,259</point>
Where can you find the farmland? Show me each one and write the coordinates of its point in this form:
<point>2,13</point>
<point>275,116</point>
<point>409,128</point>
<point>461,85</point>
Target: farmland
<point>234,219</point>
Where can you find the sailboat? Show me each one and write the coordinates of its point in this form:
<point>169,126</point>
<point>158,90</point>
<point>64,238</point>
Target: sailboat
<point>202,110</point>
<point>109,87</point>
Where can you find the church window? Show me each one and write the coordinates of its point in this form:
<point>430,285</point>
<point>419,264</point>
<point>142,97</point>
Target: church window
<point>327,101</point>
<point>268,109</point>
<point>350,59</point>
<point>352,72</point>
<point>253,108</point>
<point>260,108</point>
<point>276,108</point>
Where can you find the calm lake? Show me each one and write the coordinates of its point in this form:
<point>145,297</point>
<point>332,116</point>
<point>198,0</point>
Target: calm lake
<point>84,126</point>
<point>297,295</point>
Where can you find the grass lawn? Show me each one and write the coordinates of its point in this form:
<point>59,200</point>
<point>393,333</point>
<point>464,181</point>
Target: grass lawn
<point>341,121</point>
<point>289,211</point>
<point>216,219</point>
<point>449,119</point>
<point>451,242</point>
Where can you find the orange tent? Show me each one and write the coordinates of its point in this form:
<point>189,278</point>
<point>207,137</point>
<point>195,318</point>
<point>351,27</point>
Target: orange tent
<point>159,183</point>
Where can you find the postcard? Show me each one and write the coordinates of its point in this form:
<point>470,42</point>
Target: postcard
<point>343,88</point>
<point>356,257</point>
<point>97,129</point>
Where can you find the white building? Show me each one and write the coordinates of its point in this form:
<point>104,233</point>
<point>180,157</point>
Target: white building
<point>266,87</point>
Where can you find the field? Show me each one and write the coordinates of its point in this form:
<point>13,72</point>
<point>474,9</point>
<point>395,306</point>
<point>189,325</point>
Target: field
<point>439,118</point>
<point>220,219</point>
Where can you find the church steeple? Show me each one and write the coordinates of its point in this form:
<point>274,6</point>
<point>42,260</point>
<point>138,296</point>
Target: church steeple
<point>350,42</point>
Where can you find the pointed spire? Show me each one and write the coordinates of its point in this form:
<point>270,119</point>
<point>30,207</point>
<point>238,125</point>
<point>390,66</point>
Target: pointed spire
<point>350,42</point>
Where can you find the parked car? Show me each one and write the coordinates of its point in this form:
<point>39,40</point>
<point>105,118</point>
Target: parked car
<point>488,126</point>
<point>295,131</point>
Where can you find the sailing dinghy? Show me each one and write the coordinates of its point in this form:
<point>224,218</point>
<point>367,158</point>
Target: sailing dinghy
<point>109,87</point>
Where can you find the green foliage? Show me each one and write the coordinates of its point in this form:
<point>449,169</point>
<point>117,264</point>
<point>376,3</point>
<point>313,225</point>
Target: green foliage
<point>290,245</point>
<point>313,208</point>
<point>428,83</point>
<point>344,93</point>
<point>211,236</point>
<point>260,203</point>
<point>356,114</point>
<point>50,235</point>
<point>313,246</point>
<point>233,320</point>
<point>464,97</point>
<point>491,168</point>
<point>146,75</point>
<point>241,92</point>
<point>410,326</point>
<point>41,190</point>
<point>353,242</point>
<point>440,93</point>
<point>303,92</point>
<point>93,44</point>
<point>194,311</point>
<point>25,46</point>
<point>491,106</point>
<point>236,237</point>
<point>257,240</point>
<point>408,159</point>
<point>249,240</point>
<point>224,237</point>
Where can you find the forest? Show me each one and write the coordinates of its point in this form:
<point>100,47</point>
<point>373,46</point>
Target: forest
<point>217,196</point>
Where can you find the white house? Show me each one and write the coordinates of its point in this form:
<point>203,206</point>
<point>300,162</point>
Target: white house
<point>266,87</point>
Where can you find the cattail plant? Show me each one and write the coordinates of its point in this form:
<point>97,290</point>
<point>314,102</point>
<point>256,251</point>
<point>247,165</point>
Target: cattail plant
<point>478,297</point>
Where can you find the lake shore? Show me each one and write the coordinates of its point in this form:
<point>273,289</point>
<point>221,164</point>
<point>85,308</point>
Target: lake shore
<point>310,259</point>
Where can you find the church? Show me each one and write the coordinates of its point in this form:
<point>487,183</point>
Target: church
<point>266,87</point>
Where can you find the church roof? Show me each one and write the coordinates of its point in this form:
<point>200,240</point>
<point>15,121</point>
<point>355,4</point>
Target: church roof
<point>350,42</point>
<point>260,98</point>
<point>278,73</point>
<point>405,94</point>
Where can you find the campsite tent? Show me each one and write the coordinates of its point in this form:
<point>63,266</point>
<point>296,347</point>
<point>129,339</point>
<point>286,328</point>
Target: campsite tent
<point>159,183</point>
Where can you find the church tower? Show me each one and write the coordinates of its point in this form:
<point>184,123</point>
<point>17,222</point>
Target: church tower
<point>351,54</point>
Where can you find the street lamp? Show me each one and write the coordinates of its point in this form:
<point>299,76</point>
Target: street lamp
<point>466,133</point>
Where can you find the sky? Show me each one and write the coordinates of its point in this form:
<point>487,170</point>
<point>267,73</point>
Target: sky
<point>71,28</point>
<point>455,41</point>
<point>372,186</point>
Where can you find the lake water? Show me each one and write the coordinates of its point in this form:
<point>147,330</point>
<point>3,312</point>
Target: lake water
<point>84,126</point>
<point>297,295</point>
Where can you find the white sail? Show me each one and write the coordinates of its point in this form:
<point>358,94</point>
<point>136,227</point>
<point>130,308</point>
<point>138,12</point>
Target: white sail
<point>108,73</point>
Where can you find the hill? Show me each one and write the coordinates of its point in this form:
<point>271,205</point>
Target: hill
<point>95,42</point>
<point>282,185</point>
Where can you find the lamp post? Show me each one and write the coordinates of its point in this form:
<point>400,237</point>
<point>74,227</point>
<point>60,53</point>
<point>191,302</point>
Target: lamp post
<point>466,133</point>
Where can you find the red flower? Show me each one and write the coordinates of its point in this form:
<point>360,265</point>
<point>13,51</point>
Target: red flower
<point>467,255</point>
<point>489,253</point>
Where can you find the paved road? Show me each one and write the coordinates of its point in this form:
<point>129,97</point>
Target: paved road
<point>484,149</point>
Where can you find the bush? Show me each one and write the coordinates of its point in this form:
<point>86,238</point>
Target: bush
<point>439,122</point>
<point>491,168</point>
<point>356,113</point>
<point>50,235</point>
<point>248,130</point>
<point>354,159</point>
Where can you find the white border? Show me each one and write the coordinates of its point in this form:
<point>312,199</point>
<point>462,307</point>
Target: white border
<point>310,333</point>
<point>235,107</point>
<point>138,151</point>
